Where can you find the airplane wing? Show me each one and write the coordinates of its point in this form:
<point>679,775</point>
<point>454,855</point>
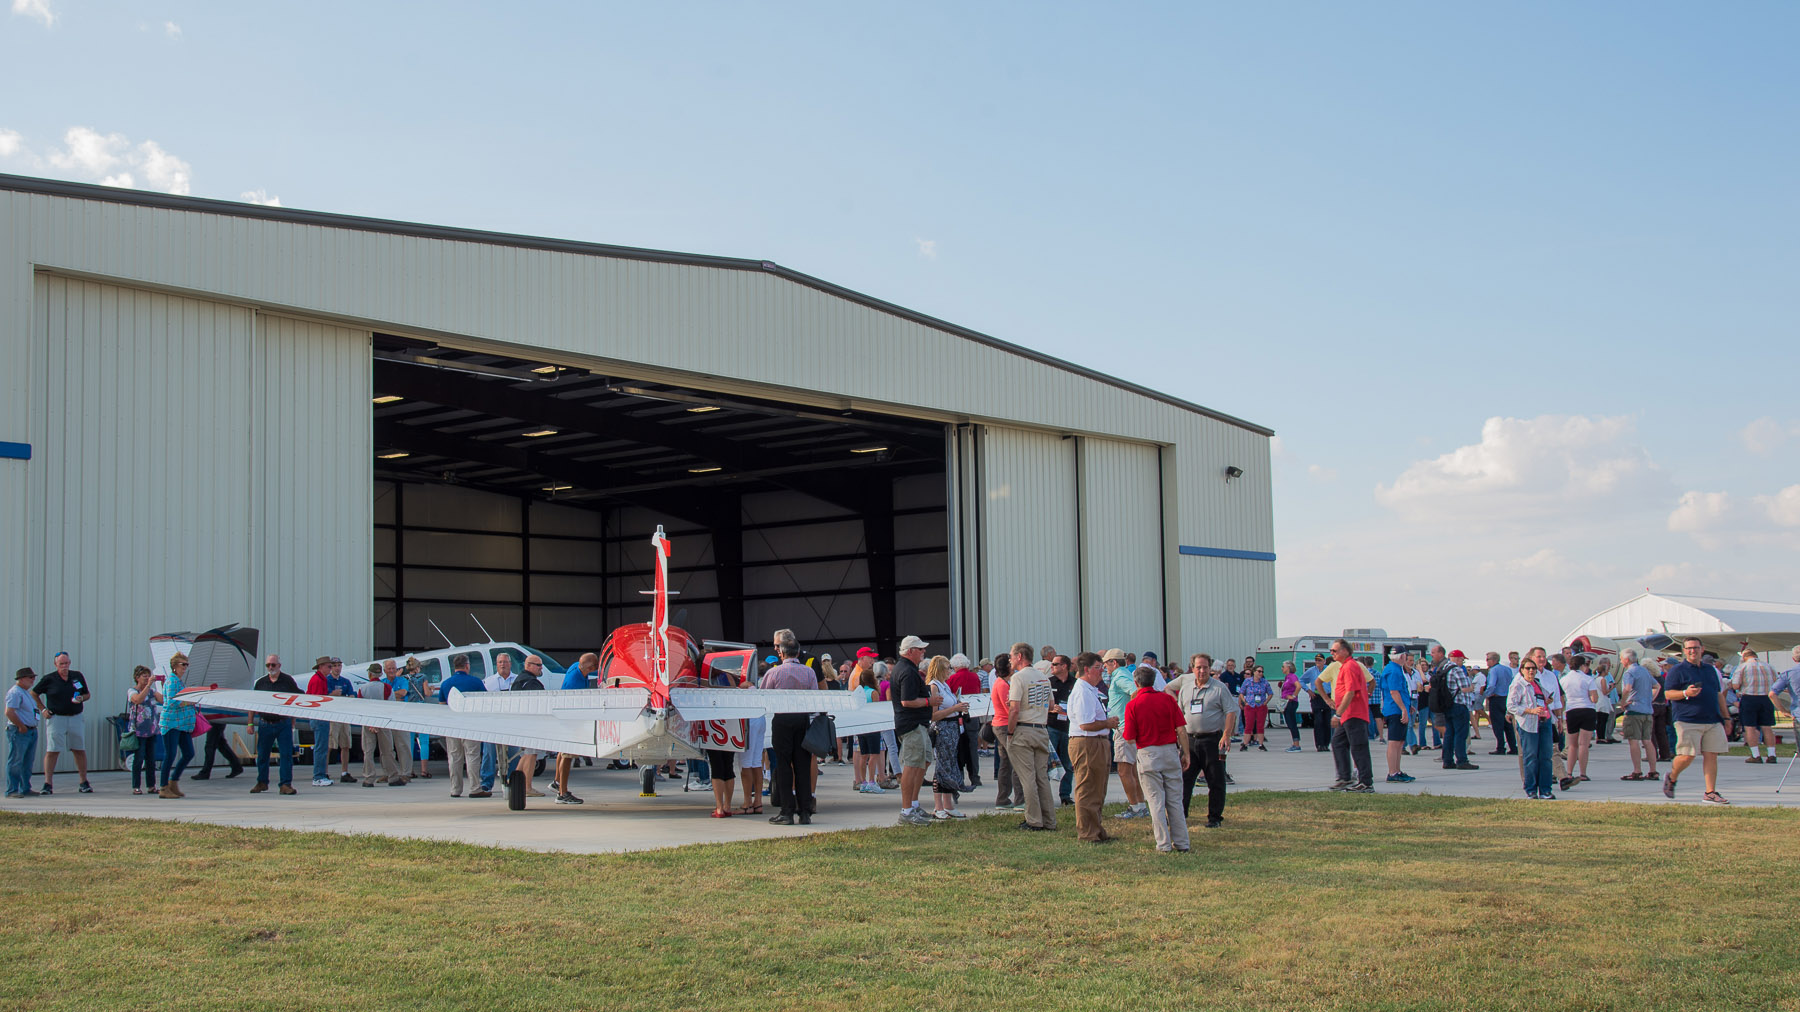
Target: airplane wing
<point>1725,644</point>
<point>532,731</point>
<point>563,704</point>
<point>851,715</point>
<point>738,704</point>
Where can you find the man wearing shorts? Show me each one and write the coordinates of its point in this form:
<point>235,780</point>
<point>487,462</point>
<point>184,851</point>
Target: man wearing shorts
<point>61,693</point>
<point>912,718</point>
<point>1756,710</point>
<point>1395,695</point>
<point>1120,687</point>
<point>532,680</point>
<point>1638,697</point>
<point>1701,723</point>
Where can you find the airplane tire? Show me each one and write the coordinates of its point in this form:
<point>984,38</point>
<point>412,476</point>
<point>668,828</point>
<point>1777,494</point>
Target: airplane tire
<point>515,791</point>
<point>646,780</point>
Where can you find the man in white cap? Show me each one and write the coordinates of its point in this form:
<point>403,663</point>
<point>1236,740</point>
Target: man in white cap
<point>1121,685</point>
<point>912,721</point>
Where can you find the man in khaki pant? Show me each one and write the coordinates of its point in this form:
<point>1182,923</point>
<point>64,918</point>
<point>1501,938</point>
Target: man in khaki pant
<point>1090,734</point>
<point>379,738</point>
<point>1155,726</point>
<point>464,757</point>
<point>1029,697</point>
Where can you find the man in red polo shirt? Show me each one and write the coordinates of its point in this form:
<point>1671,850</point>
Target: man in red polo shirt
<point>1155,726</point>
<point>1350,722</point>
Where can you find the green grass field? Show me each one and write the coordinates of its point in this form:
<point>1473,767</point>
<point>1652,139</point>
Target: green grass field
<point>1304,901</point>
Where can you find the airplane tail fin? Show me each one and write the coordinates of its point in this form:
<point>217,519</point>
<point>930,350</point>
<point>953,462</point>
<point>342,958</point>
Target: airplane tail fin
<point>659,614</point>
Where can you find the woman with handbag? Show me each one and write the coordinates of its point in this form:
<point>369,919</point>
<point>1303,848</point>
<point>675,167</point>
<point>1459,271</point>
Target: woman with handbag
<point>946,729</point>
<point>177,726</point>
<point>141,701</point>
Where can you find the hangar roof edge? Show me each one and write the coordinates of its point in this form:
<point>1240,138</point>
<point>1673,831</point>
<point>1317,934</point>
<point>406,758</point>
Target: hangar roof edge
<point>144,198</point>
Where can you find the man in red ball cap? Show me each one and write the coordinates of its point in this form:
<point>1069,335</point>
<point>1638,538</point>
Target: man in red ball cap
<point>1459,689</point>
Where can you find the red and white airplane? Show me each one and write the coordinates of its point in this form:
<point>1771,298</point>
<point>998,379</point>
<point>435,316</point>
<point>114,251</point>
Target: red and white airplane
<point>660,701</point>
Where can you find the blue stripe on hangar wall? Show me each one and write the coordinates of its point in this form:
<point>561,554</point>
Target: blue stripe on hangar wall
<point>1228,553</point>
<point>15,451</point>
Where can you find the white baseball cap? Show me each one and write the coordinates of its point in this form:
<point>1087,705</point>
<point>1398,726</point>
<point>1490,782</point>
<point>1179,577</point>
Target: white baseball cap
<point>912,643</point>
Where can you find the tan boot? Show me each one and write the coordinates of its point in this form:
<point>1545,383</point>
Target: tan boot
<point>175,787</point>
<point>167,792</point>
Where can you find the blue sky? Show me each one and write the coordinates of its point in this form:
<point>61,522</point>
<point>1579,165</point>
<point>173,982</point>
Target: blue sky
<point>1514,283</point>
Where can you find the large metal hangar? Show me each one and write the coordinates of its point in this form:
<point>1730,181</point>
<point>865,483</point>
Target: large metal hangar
<point>343,430</point>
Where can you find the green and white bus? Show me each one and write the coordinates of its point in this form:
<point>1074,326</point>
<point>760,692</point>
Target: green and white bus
<point>1370,646</point>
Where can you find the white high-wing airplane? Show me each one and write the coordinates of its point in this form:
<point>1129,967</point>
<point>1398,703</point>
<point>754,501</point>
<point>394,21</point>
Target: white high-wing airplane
<point>658,706</point>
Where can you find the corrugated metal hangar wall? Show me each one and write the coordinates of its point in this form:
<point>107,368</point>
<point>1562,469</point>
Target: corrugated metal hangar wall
<point>186,440</point>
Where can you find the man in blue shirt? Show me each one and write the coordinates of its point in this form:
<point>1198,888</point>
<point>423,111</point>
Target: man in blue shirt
<point>1500,676</point>
<point>1639,691</point>
<point>463,755</point>
<point>1701,723</point>
<point>1395,707</point>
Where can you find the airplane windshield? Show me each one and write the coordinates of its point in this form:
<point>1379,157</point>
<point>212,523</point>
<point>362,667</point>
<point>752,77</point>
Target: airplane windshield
<point>518,659</point>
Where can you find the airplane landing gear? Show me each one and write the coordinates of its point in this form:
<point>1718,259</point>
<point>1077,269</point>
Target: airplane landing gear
<point>646,781</point>
<point>515,791</point>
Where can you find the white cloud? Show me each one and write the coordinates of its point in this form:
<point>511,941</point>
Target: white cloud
<point>1545,562</point>
<point>39,9</point>
<point>1531,469</point>
<point>927,248</point>
<point>1698,512</point>
<point>259,196</point>
<point>1319,472</point>
<point>172,30</point>
<point>1716,519</point>
<point>1766,435</point>
<point>1783,508</point>
<point>89,153</point>
<point>108,159</point>
<point>165,172</point>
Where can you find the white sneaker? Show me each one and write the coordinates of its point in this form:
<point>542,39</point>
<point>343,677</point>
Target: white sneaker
<point>873,788</point>
<point>322,781</point>
<point>957,813</point>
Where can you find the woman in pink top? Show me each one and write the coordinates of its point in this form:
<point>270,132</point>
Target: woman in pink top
<point>1290,702</point>
<point>1011,793</point>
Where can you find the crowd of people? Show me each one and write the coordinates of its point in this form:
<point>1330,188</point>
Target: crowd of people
<point>1056,727</point>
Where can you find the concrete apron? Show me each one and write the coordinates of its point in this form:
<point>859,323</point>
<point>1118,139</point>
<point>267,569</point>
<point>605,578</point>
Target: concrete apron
<point>615,819</point>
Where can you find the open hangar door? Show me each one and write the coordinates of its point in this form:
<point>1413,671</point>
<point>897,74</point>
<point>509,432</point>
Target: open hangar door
<point>521,495</point>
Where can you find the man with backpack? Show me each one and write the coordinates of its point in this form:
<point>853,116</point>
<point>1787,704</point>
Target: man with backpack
<point>1451,688</point>
<point>379,739</point>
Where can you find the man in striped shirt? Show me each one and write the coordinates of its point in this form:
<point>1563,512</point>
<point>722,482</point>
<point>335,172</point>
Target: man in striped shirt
<point>1756,710</point>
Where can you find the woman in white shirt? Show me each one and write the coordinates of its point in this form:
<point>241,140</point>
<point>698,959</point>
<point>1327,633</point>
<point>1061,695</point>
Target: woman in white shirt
<point>947,729</point>
<point>1533,703</point>
<point>1580,693</point>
